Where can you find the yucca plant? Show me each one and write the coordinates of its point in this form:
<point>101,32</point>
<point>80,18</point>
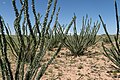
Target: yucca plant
<point>78,43</point>
<point>112,53</point>
<point>29,46</point>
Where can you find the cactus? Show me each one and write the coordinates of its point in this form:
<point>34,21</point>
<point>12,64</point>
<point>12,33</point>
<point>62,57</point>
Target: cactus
<point>77,44</point>
<point>29,44</point>
<point>112,53</point>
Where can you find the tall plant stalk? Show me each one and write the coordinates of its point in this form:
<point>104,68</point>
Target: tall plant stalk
<point>29,44</point>
<point>113,53</point>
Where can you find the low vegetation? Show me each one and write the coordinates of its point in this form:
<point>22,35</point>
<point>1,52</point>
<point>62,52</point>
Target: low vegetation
<point>78,43</point>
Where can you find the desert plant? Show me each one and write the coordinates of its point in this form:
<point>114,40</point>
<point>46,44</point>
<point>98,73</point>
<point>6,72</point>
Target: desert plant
<point>53,35</point>
<point>58,33</point>
<point>112,53</point>
<point>77,44</point>
<point>106,40</point>
<point>55,40</point>
<point>50,32</point>
<point>29,45</point>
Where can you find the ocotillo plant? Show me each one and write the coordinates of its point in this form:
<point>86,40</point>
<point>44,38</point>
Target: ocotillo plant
<point>106,40</point>
<point>29,46</point>
<point>77,44</point>
<point>57,36</point>
<point>112,53</point>
<point>53,35</point>
<point>58,33</point>
<point>55,39</point>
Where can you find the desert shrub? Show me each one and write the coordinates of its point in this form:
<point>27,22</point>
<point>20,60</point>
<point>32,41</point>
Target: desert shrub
<point>112,53</point>
<point>106,40</point>
<point>55,37</point>
<point>55,40</point>
<point>28,45</point>
<point>78,43</point>
<point>58,34</point>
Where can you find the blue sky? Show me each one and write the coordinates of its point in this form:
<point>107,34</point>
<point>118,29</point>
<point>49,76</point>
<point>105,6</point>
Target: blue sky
<point>68,7</point>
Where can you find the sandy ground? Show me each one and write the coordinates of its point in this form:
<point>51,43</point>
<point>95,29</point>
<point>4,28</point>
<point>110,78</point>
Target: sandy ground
<point>91,66</point>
